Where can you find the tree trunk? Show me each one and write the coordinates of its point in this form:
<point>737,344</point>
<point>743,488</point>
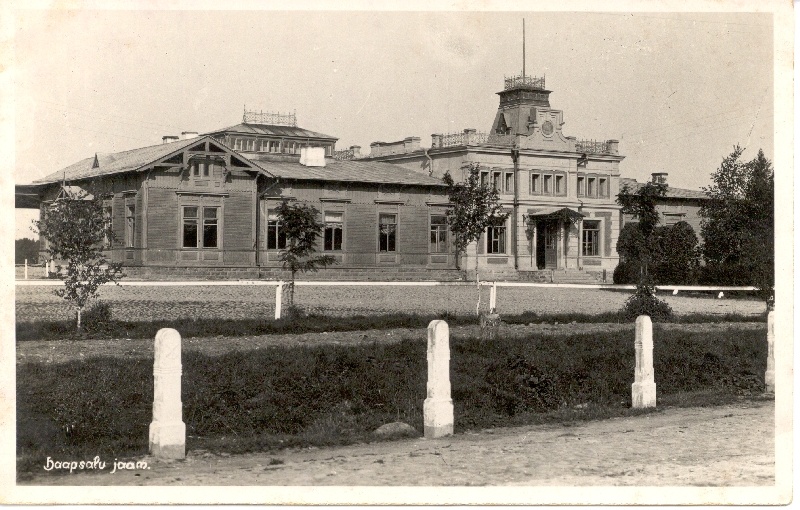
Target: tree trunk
<point>79,319</point>
<point>477,283</point>
<point>291,289</point>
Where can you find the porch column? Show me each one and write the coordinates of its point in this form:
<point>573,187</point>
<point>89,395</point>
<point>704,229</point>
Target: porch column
<point>561,262</point>
<point>580,242</point>
<point>534,260</point>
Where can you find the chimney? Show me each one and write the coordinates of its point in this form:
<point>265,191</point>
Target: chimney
<point>169,138</point>
<point>186,135</point>
<point>376,149</point>
<point>659,177</point>
<point>312,156</point>
<point>356,151</point>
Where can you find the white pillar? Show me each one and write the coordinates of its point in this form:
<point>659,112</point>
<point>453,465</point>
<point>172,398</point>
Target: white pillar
<point>167,430</point>
<point>493,298</point>
<point>26,269</point>
<point>644,387</point>
<point>278,300</point>
<point>769,376</point>
<point>438,407</point>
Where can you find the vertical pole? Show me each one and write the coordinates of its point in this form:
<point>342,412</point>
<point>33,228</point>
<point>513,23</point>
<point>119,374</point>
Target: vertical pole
<point>26,269</point>
<point>438,407</point>
<point>167,430</point>
<point>523,50</point>
<point>278,299</point>
<point>493,298</point>
<point>644,387</point>
<point>769,375</point>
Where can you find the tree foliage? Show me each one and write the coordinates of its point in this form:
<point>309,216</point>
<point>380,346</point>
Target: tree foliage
<point>674,254</point>
<point>26,249</point>
<point>76,229</point>
<point>738,221</point>
<point>475,207</point>
<point>641,204</point>
<point>301,227</point>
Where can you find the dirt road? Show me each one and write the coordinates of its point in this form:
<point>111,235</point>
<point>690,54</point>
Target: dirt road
<point>729,446</point>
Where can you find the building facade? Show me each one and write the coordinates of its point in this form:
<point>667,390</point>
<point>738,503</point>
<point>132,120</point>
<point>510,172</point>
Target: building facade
<point>560,191</point>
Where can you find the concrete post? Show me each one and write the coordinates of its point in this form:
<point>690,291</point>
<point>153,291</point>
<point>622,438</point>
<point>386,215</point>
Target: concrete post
<point>493,298</point>
<point>769,375</point>
<point>644,387</point>
<point>438,407</point>
<point>26,269</point>
<point>167,430</point>
<point>278,300</point>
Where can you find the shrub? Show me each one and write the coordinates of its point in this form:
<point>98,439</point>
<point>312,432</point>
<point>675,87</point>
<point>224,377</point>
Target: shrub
<point>645,302</point>
<point>627,272</point>
<point>98,318</point>
<point>674,254</point>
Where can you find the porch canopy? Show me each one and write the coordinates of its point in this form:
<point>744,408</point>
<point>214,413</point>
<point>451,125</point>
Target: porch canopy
<point>556,213</point>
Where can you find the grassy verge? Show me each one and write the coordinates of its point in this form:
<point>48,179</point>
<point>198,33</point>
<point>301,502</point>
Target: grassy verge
<point>65,330</point>
<point>327,395</point>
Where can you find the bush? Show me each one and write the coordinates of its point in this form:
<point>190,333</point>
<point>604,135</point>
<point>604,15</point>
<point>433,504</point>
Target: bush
<point>674,254</point>
<point>627,272</point>
<point>645,302</point>
<point>724,274</point>
<point>97,318</point>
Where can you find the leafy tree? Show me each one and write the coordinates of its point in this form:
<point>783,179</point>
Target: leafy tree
<point>738,221</point>
<point>76,229</point>
<point>475,207</point>
<point>642,206</point>
<point>299,224</point>
<point>26,249</point>
<point>674,254</point>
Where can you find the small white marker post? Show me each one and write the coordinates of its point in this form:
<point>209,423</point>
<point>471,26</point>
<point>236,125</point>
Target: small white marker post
<point>167,430</point>
<point>769,375</point>
<point>26,269</point>
<point>278,299</point>
<point>438,407</point>
<point>644,387</point>
<point>493,298</point>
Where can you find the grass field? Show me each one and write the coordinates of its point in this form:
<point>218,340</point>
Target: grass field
<point>251,302</point>
<point>276,397</point>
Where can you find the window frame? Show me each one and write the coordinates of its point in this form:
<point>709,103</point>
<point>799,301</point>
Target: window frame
<point>580,182</point>
<point>130,225</point>
<point>536,183</point>
<point>593,244</point>
<point>496,239</point>
<point>273,222</point>
<point>391,236</point>
<point>441,229</point>
<point>201,222</point>
<point>332,225</point>
<point>508,182</point>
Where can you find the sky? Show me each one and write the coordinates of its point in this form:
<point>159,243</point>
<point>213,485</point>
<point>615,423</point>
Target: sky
<point>678,90</point>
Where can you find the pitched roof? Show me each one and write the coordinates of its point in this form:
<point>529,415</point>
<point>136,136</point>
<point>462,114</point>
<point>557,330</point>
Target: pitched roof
<point>634,186</point>
<point>350,171</point>
<point>264,129</point>
<point>116,162</point>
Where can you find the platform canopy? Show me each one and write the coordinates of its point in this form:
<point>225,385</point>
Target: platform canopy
<point>556,213</point>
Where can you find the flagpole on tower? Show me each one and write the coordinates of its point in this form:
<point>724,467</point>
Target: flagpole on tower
<point>523,48</point>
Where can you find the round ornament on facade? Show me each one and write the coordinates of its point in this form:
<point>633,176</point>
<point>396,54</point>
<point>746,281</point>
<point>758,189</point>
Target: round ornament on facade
<point>547,128</point>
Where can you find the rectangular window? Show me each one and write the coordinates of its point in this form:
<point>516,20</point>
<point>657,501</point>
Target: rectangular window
<point>190,221</point>
<point>237,144</point>
<point>591,238</point>
<point>546,184</point>
<point>210,227</point>
<point>276,237</point>
<point>602,188</point>
<point>107,215</point>
<point>438,233</point>
<point>559,184</point>
<point>590,188</point>
<point>671,219</point>
<point>496,239</point>
<point>509,183</point>
<point>580,186</point>
<point>536,186</point>
<point>484,178</point>
<point>130,225</point>
<point>333,231</point>
<point>200,227</point>
<point>387,232</point>
<point>496,181</point>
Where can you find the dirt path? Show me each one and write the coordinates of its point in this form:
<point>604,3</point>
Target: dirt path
<point>732,445</point>
<point>40,351</point>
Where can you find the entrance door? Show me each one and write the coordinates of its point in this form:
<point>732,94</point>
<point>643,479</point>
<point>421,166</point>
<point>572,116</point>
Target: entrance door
<point>546,248</point>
